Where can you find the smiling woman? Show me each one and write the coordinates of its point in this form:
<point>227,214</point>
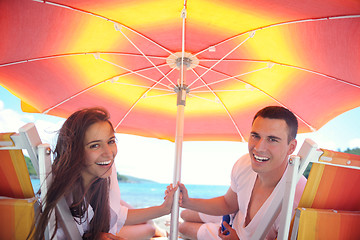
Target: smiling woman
<point>100,151</point>
<point>87,185</point>
<point>84,158</point>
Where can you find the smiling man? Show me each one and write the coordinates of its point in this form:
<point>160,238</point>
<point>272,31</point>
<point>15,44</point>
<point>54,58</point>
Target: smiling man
<point>255,179</point>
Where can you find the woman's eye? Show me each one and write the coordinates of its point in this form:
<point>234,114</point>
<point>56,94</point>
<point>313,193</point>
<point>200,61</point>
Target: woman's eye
<point>112,141</point>
<point>93,146</point>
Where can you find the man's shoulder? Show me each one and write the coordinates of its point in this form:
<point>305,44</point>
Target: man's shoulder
<point>242,168</point>
<point>242,175</point>
<point>243,162</point>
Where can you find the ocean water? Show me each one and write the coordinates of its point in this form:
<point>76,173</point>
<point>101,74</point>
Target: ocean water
<point>141,195</point>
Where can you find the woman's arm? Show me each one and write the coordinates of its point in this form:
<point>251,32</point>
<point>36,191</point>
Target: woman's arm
<point>141,215</point>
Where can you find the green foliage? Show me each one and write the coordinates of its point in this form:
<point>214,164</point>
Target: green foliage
<point>307,170</point>
<point>355,151</point>
<point>122,178</point>
<point>30,167</point>
<point>351,151</point>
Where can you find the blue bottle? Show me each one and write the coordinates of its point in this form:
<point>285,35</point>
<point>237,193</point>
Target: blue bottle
<point>226,218</point>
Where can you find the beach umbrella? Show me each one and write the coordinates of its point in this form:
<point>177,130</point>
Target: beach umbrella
<point>183,70</point>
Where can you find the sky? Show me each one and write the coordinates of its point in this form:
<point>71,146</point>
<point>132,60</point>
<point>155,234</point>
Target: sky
<point>208,163</point>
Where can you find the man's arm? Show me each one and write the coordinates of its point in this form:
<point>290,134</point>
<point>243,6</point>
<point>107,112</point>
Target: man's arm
<point>217,206</point>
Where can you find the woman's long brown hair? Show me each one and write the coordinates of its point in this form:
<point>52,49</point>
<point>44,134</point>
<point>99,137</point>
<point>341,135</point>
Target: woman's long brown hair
<point>66,172</point>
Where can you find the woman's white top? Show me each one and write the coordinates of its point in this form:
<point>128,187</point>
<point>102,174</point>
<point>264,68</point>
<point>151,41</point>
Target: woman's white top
<point>118,213</point>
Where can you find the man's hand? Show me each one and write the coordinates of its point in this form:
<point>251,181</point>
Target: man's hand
<point>184,196</point>
<point>232,233</point>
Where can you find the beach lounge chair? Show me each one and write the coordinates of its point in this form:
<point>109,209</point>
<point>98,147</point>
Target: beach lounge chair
<point>330,204</point>
<point>18,203</point>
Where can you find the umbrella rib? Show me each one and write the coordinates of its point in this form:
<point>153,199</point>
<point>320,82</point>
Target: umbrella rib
<point>222,103</point>
<point>220,60</point>
<point>142,86</point>
<point>229,78</point>
<point>88,88</point>
<point>159,95</point>
<point>102,17</point>
<point>131,71</point>
<point>116,78</point>
<point>302,120</point>
<point>277,101</point>
<point>183,16</point>
<point>207,99</point>
<point>135,55</point>
<point>280,24</point>
<point>142,96</point>
<point>232,60</point>
<point>232,90</point>
<point>320,74</point>
<point>41,58</point>
<point>277,63</point>
<point>73,54</point>
<point>73,96</point>
<point>142,53</point>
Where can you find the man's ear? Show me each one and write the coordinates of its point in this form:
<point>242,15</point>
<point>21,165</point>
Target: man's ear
<point>292,146</point>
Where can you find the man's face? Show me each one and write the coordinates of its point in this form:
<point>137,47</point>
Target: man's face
<point>268,146</point>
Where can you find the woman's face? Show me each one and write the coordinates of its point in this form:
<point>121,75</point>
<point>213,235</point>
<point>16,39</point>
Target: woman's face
<point>100,151</point>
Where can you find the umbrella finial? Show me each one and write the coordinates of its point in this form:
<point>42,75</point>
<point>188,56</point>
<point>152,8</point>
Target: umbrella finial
<point>114,79</point>
<point>117,27</point>
<point>270,64</point>
<point>212,49</point>
<point>96,55</point>
<point>183,13</point>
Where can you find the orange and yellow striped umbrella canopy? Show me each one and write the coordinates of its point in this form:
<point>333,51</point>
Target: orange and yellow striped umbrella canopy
<point>238,56</point>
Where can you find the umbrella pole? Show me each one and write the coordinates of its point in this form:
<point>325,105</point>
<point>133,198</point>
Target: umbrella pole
<point>181,99</point>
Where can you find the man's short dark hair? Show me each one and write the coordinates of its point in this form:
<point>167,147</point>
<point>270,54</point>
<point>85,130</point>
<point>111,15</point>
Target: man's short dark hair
<point>277,112</point>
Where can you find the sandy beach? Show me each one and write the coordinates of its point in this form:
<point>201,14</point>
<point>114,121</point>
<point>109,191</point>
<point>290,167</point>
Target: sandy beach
<point>164,224</point>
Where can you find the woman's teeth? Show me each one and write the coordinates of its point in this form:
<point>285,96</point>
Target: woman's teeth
<point>104,163</point>
<point>261,159</point>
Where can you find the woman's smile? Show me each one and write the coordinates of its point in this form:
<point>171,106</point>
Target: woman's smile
<point>100,151</point>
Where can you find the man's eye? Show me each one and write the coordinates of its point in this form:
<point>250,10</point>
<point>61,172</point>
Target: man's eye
<point>254,136</point>
<point>273,140</point>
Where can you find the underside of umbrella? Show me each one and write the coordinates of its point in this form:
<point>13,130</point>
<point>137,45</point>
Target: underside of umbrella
<point>125,56</point>
<point>218,61</point>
